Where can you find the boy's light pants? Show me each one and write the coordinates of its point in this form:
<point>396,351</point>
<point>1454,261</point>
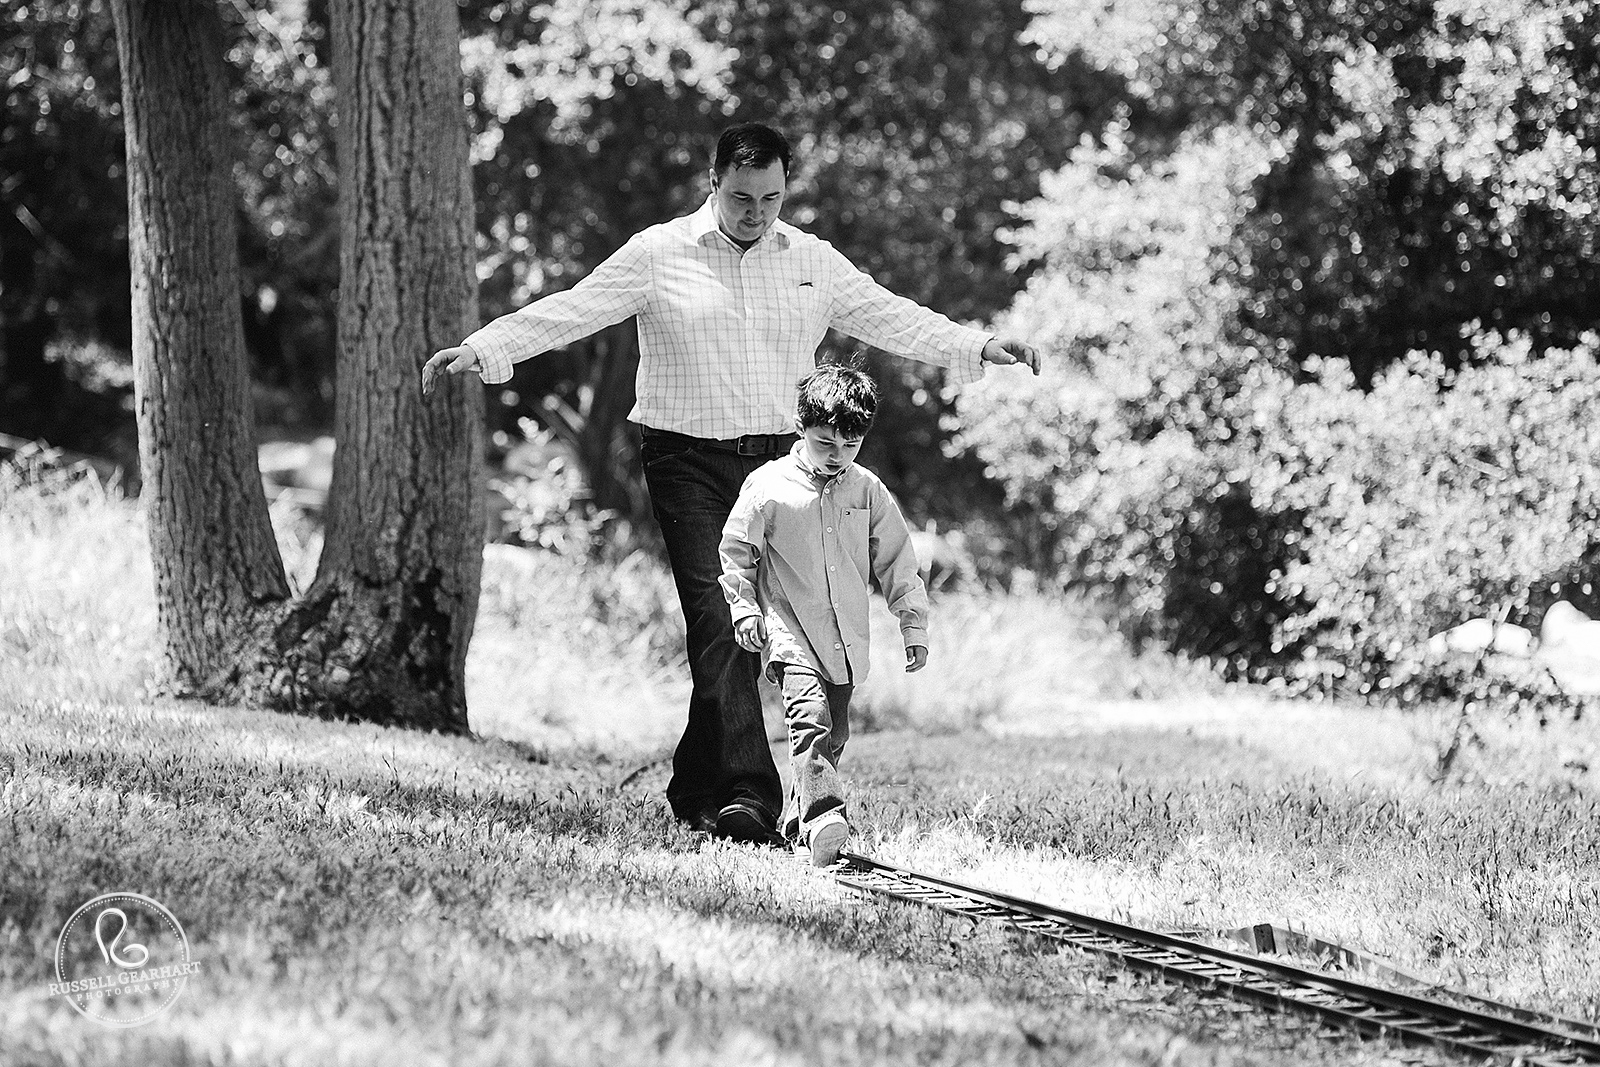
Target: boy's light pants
<point>818,714</point>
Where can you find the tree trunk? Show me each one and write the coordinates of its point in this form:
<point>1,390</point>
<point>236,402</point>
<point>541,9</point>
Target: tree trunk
<point>383,631</point>
<point>382,634</point>
<point>217,571</point>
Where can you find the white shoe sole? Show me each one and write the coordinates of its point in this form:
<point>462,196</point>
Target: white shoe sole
<point>826,841</point>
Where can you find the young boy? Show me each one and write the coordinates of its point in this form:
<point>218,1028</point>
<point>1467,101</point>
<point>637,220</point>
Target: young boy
<point>808,535</point>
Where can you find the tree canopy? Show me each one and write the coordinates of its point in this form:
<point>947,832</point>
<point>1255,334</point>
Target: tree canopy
<point>916,125</point>
<point>1196,205</point>
<point>1301,289</point>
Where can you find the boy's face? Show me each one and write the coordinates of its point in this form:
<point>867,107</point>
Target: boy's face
<point>828,450</point>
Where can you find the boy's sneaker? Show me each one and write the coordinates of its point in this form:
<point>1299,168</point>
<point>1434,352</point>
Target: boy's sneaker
<point>826,837</point>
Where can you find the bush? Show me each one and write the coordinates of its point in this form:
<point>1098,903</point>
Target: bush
<point>1435,498</point>
<point>541,498</point>
<point>1125,456</point>
<point>1279,520</point>
<point>1317,534</point>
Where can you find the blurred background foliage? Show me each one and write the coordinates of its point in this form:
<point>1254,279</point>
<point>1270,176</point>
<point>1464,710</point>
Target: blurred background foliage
<point>1306,270</point>
<point>1329,352</point>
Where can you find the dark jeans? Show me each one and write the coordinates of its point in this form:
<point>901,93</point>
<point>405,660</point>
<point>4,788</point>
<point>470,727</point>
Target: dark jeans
<point>723,755</point>
<point>818,714</point>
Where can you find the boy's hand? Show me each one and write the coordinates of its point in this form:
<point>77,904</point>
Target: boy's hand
<point>751,633</point>
<point>916,658</point>
<point>457,360</point>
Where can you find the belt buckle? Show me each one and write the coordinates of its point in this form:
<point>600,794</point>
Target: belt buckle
<point>746,445</point>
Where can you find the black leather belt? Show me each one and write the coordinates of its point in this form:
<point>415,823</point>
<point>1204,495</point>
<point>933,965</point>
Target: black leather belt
<point>751,444</point>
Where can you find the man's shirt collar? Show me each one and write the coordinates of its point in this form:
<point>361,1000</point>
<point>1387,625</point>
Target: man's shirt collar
<point>703,225</point>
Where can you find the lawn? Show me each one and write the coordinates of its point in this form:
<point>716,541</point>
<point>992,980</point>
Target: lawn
<point>364,895</point>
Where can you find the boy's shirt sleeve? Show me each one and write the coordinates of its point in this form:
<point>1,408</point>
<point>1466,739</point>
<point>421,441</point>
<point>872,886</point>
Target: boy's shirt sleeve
<point>894,567</point>
<point>744,538</point>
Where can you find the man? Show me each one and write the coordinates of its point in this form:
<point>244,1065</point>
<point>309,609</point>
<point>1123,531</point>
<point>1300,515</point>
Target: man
<point>732,304</point>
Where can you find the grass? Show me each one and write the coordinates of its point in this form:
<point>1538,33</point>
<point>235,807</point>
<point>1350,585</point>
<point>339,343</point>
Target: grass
<point>364,895</point>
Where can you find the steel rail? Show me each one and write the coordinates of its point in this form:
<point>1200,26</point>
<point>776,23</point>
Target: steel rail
<point>1517,1034</point>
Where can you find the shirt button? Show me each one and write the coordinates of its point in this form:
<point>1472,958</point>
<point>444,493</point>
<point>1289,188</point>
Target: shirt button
<point>837,645</point>
<point>830,529</point>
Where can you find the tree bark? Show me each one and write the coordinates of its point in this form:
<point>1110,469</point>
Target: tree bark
<point>382,634</point>
<point>217,571</point>
<point>383,631</point>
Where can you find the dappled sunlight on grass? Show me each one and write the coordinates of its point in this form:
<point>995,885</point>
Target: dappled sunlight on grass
<point>1214,827</point>
<point>570,651</point>
<point>381,904</point>
<point>77,603</point>
<point>565,654</point>
<point>362,894</point>
<point>997,660</point>
<point>521,689</point>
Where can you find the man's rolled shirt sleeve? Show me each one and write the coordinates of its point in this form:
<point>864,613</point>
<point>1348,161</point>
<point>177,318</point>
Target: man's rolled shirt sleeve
<point>868,312</point>
<point>615,290</point>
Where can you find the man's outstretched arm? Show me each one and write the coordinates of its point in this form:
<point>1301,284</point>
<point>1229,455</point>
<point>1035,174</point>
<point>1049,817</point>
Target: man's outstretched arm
<point>864,309</point>
<point>614,290</point>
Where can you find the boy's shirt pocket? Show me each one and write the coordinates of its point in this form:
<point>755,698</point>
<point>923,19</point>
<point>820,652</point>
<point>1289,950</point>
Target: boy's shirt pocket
<point>855,530</point>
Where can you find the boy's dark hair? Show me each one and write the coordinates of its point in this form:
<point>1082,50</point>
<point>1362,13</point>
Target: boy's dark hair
<point>837,396</point>
<point>750,144</point>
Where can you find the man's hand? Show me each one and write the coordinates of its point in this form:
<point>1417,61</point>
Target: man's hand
<point>1005,350</point>
<point>916,658</point>
<point>751,633</point>
<point>457,360</point>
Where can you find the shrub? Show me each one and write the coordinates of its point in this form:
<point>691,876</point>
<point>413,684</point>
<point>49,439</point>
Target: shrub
<point>1284,522</point>
<point>1434,498</point>
<point>1126,455</point>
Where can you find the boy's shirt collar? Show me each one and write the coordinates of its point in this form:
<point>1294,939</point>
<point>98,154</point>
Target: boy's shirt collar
<point>798,454</point>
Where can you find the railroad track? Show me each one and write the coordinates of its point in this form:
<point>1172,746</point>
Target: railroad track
<point>1482,1028</point>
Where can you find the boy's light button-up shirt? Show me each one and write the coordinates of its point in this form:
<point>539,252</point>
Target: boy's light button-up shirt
<point>724,335</point>
<point>803,550</point>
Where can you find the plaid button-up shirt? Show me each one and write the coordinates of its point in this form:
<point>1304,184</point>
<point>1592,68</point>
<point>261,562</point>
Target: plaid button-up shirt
<point>724,335</point>
<point>802,550</point>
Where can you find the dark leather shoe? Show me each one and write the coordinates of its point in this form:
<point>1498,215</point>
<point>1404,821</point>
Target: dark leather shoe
<point>700,822</point>
<point>743,822</point>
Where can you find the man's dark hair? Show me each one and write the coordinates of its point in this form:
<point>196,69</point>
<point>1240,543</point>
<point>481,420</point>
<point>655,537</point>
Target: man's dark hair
<point>837,396</point>
<point>750,144</point>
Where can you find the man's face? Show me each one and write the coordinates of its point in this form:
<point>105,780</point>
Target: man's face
<point>748,200</point>
<point>828,450</point>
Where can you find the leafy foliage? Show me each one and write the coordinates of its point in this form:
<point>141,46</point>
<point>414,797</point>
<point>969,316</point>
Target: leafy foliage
<point>1235,449</point>
<point>1435,162</point>
<point>284,110</point>
<point>1125,458</point>
<point>914,127</point>
<point>1436,498</point>
<point>64,280</point>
